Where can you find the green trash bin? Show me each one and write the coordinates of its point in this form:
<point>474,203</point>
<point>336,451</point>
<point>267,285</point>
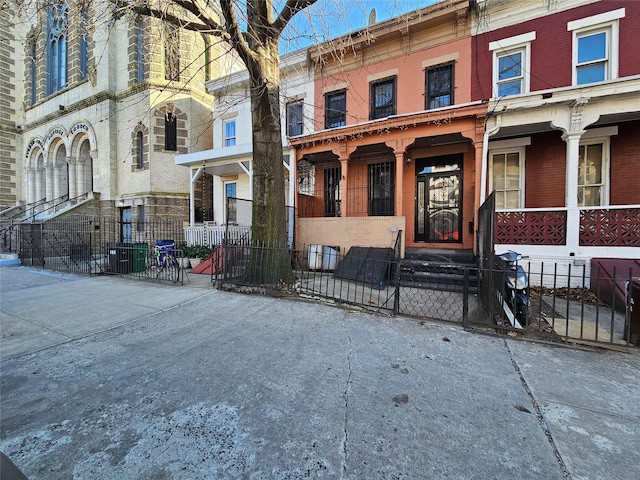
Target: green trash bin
<point>139,257</point>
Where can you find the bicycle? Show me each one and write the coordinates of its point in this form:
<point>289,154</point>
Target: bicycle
<point>163,264</point>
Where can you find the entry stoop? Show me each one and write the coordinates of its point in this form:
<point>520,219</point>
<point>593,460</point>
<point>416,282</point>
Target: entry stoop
<point>437,269</point>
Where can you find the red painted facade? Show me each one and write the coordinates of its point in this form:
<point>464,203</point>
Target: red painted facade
<point>551,50</point>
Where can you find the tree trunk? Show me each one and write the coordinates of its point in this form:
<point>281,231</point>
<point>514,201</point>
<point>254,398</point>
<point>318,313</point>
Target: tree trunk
<point>269,210</point>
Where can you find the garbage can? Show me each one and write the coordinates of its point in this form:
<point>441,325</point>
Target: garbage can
<point>634,312</point>
<point>315,257</point>
<point>139,257</point>
<point>119,257</point>
<point>330,257</point>
<point>166,246</point>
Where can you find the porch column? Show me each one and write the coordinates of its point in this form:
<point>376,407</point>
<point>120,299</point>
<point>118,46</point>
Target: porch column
<point>30,184</point>
<point>344,172</point>
<point>195,174</point>
<point>73,188</point>
<point>38,187</point>
<point>80,177</point>
<point>572,140</point>
<point>48,178</point>
<point>399,183</point>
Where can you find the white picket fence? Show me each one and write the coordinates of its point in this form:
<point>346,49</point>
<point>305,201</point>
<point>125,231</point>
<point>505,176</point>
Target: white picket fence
<point>215,235</point>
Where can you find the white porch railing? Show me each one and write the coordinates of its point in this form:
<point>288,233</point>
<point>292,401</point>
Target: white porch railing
<point>213,235</point>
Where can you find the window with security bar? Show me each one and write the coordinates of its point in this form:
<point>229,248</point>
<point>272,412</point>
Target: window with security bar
<point>332,187</point>
<point>383,98</point>
<point>381,188</point>
<point>439,86</point>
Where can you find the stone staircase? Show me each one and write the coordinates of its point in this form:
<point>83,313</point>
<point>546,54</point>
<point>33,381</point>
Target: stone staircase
<point>437,269</point>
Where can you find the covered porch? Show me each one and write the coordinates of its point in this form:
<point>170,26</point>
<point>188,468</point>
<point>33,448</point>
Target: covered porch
<point>220,194</point>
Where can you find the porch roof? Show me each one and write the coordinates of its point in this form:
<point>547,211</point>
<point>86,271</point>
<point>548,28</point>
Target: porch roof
<point>219,161</point>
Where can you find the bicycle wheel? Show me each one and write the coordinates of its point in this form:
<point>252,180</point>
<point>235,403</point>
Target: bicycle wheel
<point>173,269</point>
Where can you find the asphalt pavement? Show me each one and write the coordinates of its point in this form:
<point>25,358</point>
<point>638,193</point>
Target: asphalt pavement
<point>115,378</point>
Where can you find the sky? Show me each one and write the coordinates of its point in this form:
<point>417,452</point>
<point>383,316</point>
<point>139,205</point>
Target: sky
<point>331,18</point>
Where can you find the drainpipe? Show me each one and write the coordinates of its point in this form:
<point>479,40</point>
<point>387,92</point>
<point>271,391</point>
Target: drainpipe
<point>485,153</point>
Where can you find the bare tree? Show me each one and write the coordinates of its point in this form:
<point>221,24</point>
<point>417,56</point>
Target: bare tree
<point>257,46</point>
<point>254,35</point>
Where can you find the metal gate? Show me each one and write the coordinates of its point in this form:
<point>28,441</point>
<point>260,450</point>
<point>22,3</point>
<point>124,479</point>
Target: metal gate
<point>486,253</point>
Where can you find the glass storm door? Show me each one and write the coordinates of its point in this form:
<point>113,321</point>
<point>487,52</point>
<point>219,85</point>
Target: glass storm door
<point>438,208</point>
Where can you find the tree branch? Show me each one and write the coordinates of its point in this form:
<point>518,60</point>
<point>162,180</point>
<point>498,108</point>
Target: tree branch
<point>288,11</point>
<point>208,26</point>
<point>236,37</point>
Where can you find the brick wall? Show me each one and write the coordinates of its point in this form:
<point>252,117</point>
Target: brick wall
<point>625,165</point>
<point>545,171</point>
<point>8,105</point>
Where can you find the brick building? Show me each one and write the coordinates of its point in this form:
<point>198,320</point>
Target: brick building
<point>104,101</point>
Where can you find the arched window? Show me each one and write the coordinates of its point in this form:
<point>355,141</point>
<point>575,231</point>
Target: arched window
<point>84,42</point>
<point>139,151</point>
<point>171,52</point>
<point>170,132</point>
<point>32,72</point>
<point>139,50</point>
<point>56,49</point>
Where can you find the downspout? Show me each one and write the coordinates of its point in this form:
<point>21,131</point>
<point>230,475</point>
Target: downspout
<point>485,153</point>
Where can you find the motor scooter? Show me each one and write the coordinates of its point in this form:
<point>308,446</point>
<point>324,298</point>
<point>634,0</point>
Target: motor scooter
<point>514,293</point>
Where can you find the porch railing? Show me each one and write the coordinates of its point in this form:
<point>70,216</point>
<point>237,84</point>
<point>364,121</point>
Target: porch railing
<point>611,226</point>
<point>531,227</point>
<point>211,235</point>
<point>616,226</point>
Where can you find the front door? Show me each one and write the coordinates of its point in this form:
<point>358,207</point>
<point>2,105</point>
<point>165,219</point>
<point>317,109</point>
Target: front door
<point>438,200</point>
<point>125,224</point>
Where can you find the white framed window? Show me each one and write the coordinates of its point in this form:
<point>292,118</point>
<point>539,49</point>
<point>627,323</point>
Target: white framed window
<point>595,47</point>
<point>593,167</point>
<point>512,64</point>
<point>231,202</point>
<point>229,128</point>
<point>507,172</point>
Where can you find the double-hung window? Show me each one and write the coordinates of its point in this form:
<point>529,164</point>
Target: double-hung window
<point>335,109</point>
<point>591,175</point>
<point>383,98</point>
<point>507,173</point>
<point>506,178</point>
<point>595,47</point>
<point>439,86</point>
<point>294,118</point>
<point>229,133</point>
<point>511,64</point>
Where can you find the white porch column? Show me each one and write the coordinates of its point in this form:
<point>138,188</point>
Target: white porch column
<point>195,174</point>
<point>48,178</point>
<point>73,191</point>
<point>38,187</point>
<point>571,198</point>
<point>30,185</point>
<point>80,176</point>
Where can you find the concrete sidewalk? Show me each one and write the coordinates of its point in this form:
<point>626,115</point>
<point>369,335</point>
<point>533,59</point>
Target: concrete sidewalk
<point>106,377</point>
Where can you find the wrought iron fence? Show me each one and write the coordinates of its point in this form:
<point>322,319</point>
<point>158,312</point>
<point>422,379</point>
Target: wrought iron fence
<point>320,271</point>
<point>84,244</point>
<point>580,306</point>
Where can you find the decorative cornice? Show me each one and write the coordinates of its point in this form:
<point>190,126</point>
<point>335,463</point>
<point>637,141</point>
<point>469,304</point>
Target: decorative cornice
<point>387,125</point>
